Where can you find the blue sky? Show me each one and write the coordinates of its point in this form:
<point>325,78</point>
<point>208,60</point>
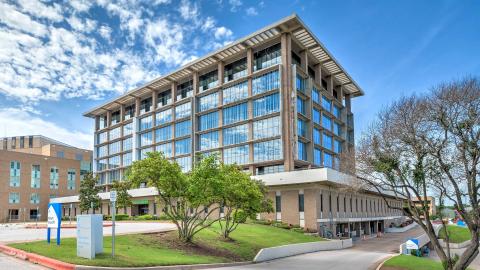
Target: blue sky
<point>57,60</point>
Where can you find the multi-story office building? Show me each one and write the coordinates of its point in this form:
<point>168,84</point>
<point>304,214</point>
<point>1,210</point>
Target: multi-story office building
<point>275,102</point>
<point>34,169</point>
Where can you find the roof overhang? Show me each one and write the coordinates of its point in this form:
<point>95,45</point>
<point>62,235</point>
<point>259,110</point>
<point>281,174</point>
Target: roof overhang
<point>291,24</point>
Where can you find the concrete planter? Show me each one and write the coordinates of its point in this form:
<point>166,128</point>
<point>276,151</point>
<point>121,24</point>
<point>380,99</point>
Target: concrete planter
<point>267,254</point>
<point>454,245</point>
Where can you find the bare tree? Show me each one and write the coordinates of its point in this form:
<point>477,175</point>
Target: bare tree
<point>424,144</point>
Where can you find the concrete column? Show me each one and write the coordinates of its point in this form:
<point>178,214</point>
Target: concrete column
<point>221,69</point>
<point>154,100</point>
<point>287,110</point>
<point>109,118</point>
<point>330,82</point>
<point>137,106</point>
<point>174,91</point>
<point>249,61</point>
<point>195,82</point>
<point>304,57</point>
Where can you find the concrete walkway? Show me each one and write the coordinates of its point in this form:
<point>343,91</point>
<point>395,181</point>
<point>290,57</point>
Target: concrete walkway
<point>9,262</point>
<point>15,234</point>
<point>365,254</point>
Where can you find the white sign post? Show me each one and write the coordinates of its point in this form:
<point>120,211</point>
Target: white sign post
<point>113,200</point>
<point>89,235</point>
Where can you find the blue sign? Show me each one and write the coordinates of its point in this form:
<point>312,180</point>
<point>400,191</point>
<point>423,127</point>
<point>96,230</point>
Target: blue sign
<point>461,223</point>
<point>54,220</point>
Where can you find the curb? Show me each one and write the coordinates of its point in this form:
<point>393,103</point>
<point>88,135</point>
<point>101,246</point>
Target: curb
<point>166,267</point>
<point>386,259</point>
<point>36,259</point>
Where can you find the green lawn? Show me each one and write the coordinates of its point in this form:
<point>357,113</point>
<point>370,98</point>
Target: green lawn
<point>413,263</point>
<point>456,234</point>
<point>163,249</point>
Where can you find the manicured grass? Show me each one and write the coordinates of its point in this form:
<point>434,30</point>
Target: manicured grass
<point>456,234</point>
<point>406,262</point>
<point>163,249</point>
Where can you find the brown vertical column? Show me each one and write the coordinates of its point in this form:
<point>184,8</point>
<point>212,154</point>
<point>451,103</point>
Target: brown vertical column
<point>154,100</point>
<point>330,82</point>
<point>109,118</point>
<point>193,117</point>
<point>137,107</point>
<point>287,111</point>
<point>221,69</point>
<point>318,74</point>
<point>304,57</point>
<point>174,98</point>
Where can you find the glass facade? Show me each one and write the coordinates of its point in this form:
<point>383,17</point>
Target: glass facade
<point>146,139</point>
<point>301,106</point>
<point>114,148</point>
<point>164,98</point>
<point>183,147</point>
<point>54,178</point>
<point>266,82</point>
<point>235,92</point>
<point>327,141</point>
<point>146,105</point>
<point>166,149</point>
<point>235,70</point>
<point>183,128</point>
<point>267,57</point>
<point>71,181</point>
<point>127,129</point>
<point>302,150</point>
<point>317,157</point>
<point>208,102</point>
<point>236,155</point>
<point>266,105</point>
<point>327,160</point>
<point>235,135</point>
<point>269,150</point>
<point>185,90</point>
<point>163,134</point>
<point>14,173</point>
<point>185,163</point>
<point>115,133</point>
<point>326,122</point>
<point>127,159</point>
<point>326,104</point>
<point>235,113</point>
<point>35,179</point>
<point>182,111</point>
<point>208,80</point>
<point>316,116</point>
<point>316,136</point>
<point>269,127</point>
<point>209,140</point>
<point>127,144</point>
<point>163,117</point>
<point>146,123</point>
<point>301,128</point>
<point>208,121</point>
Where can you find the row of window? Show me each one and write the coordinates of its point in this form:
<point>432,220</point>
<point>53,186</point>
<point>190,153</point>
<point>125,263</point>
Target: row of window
<point>35,181</point>
<point>14,198</point>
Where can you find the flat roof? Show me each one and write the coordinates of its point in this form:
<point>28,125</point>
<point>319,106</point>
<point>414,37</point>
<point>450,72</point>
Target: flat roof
<point>300,32</point>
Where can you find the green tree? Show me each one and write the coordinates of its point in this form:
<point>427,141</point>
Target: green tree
<point>88,194</point>
<point>241,197</point>
<point>185,196</point>
<point>123,198</point>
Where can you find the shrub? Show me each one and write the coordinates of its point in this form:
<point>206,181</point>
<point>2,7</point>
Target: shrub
<point>122,217</point>
<point>262,222</point>
<point>144,217</point>
<point>299,230</point>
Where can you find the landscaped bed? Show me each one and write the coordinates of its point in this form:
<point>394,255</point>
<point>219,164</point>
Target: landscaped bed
<point>456,234</point>
<point>165,249</point>
<point>405,262</point>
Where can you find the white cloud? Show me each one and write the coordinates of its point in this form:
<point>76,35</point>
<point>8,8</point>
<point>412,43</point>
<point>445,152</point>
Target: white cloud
<point>234,5</point>
<point>40,10</point>
<point>14,122</point>
<point>188,10</point>
<point>222,32</point>
<point>251,11</point>
<point>81,5</point>
<point>106,32</point>
<point>17,20</point>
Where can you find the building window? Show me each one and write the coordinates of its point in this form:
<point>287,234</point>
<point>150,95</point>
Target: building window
<point>317,157</point>
<point>301,106</point>
<point>235,92</point>
<point>60,154</point>
<point>301,128</point>
<point>163,117</point>
<point>209,140</point>
<point>185,163</point>
<point>296,60</point>
<point>208,121</point>
<point>30,142</point>
<point>337,111</point>
<point>208,80</point>
<point>166,149</point>
<point>14,197</point>
<point>34,198</point>
<point>114,162</point>
<point>326,122</point>
<point>79,156</point>
<point>235,70</point>
<point>163,134</point>
<point>115,133</point>
<point>301,203</point>
<point>236,155</point>
<point>164,98</point>
<point>14,173</point>
<point>128,129</point>
<point>182,111</point>
<point>127,144</point>
<point>35,181</point>
<point>269,150</point>
<point>102,121</point>
<point>311,72</point>
<point>184,90</point>
<point>208,102</point>
<point>337,146</point>
<point>102,151</point>
<point>265,128</point>
<point>266,105</point>
<point>71,179</point>
<point>144,151</point>
<point>316,116</point>
<point>113,176</point>
<point>146,122</point>
<point>22,141</point>
<point>235,113</point>
<point>327,141</point>
<point>235,135</point>
<point>267,57</point>
<point>270,169</point>
<point>146,105</point>
<point>300,83</point>
<point>278,203</point>
<point>54,178</point>
<point>115,117</point>
<point>183,147</point>
<point>327,160</point>
<point>114,148</point>
<point>326,104</point>
<point>145,138</point>
<point>315,95</point>
<point>183,128</point>
<point>129,112</point>
<point>337,129</point>
<point>302,151</point>
<point>127,159</point>
<point>266,82</point>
